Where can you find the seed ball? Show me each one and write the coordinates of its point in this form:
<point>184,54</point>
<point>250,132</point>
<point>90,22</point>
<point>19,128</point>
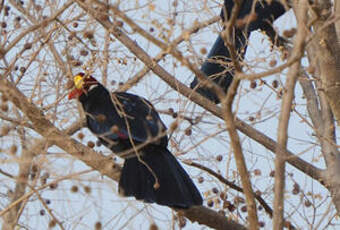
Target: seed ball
<point>74,189</point>
<point>203,50</point>
<point>272,63</point>
<point>87,189</point>
<point>253,84</point>
<point>52,223</point>
<point>90,144</point>
<point>98,226</point>
<point>219,158</point>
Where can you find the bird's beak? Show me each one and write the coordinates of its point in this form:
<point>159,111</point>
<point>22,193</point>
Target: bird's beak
<point>75,93</point>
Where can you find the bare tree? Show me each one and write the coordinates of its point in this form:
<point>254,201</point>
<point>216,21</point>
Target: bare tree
<point>268,151</point>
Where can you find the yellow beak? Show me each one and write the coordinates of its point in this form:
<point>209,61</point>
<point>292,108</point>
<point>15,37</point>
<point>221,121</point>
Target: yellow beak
<point>78,81</point>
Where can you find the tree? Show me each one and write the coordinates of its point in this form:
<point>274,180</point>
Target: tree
<point>55,174</point>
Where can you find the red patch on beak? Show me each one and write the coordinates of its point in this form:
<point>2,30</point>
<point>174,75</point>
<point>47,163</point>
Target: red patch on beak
<point>75,94</point>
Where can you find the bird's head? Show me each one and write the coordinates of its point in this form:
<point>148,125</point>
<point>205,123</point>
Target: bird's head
<point>82,84</point>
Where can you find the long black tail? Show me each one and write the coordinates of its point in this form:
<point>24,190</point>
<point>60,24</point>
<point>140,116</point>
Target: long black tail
<point>176,189</point>
<point>220,74</point>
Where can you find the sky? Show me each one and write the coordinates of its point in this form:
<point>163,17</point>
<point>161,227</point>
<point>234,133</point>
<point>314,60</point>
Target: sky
<point>81,210</point>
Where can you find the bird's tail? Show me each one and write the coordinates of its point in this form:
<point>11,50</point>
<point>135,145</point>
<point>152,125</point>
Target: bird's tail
<point>221,74</point>
<point>173,187</point>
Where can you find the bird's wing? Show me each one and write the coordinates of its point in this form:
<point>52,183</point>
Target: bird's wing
<point>136,117</point>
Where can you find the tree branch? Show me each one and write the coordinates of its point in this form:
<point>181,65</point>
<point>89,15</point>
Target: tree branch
<point>286,105</point>
<point>227,105</point>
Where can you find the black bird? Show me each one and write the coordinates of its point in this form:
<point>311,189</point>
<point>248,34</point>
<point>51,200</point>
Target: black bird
<point>130,126</point>
<point>263,18</point>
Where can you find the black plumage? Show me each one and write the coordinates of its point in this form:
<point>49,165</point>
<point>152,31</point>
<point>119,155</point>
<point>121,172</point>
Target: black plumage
<point>125,123</point>
<point>264,16</point>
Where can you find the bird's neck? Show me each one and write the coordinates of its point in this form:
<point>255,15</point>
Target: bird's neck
<point>94,96</point>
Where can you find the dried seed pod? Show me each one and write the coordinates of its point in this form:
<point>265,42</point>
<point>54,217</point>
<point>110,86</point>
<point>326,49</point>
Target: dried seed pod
<point>74,189</point>
<point>261,224</point>
<point>90,144</point>
<point>81,136</point>
<point>84,53</point>
<point>214,190</point>
<point>4,107</point>
<point>272,63</point>
<point>210,203</point>
<point>289,33</point>
<point>4,130</point>
<point>149,117</point>
<point>203,50</point>
<point>13,150</point>
<point>253,84</point>
<point>219,158</point>
<point>22,69</point>
<point>53,186</point>
<point>115,129</point>
<point>188,131</point>
<point>156,185</point>
<point>153,226</point>
<point>310,69</point>
<point>4,98</point>
<point>173,126</point>
<point>98,226</point>
<point>239,200</point>
<point>244,208</point>
<point>275,84</point>
<point>69,84</point>
<point>88,34</point>
<point>307,203</point>
<point>52,223</point>
<point>28,46</point>
<point>101,118</point>
<point>257,172</point>
<point>87,189</point>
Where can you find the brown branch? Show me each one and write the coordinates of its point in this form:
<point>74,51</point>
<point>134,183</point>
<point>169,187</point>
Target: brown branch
<point>230,184</point>
<point>288,96</point>
<point>227,105</point>
<point>328,50</point>
<point>210,218</point>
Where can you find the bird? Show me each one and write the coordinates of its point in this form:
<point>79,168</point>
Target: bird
<point>130,126</point>
<point>265,14</point>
